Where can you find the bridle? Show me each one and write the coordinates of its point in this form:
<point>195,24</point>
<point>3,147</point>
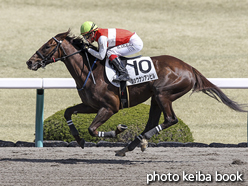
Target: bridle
<point>48,59</point>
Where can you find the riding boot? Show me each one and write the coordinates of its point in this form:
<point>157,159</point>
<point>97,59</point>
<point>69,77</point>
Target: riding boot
<point>122,70</point>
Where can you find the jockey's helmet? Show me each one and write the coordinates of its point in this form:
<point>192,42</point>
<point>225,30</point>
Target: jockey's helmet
<point>88,27</point>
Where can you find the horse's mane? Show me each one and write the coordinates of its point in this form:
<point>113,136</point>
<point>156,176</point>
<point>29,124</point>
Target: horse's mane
<point>77,41</point>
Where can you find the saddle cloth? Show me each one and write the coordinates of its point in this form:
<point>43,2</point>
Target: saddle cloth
<point>140,70</point>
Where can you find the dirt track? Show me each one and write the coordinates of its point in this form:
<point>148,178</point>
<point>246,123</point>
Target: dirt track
<point>99,166</point>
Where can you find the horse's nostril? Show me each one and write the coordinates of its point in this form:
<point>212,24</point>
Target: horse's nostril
<point>29,64</point>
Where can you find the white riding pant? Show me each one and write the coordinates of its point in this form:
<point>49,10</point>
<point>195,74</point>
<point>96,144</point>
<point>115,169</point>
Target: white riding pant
<point>134,45</point>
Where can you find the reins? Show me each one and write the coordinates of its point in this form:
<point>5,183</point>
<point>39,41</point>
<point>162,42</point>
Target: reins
<point>45,60</point>
<point>90,72</point>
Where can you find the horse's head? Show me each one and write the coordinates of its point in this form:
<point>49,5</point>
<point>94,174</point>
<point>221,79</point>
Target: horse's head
<point>50,51</point>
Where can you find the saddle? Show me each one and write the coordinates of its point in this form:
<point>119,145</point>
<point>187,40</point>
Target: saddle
<point>123,89</point>
<point>140,70</point>
<point>124,59</point>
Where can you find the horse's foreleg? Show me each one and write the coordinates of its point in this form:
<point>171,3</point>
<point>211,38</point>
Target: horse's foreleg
<point>120,128</point>
<point>102,116</point>
<point>80,108</point>
<point>111,134</point>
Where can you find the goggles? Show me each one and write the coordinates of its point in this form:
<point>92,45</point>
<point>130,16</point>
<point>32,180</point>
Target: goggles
<point>87,36</point>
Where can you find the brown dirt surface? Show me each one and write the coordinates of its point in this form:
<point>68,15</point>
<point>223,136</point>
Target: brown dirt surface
<point>99,166</point>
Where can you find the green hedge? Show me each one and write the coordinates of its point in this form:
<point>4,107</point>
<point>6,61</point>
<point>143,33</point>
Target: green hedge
<point>56,128</point>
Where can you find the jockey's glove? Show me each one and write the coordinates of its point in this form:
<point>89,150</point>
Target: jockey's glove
<point>85,47</point>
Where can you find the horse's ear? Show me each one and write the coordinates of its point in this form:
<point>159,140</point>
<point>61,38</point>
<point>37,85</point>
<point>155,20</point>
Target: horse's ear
<point>62,36</point>
<point>68,32</point>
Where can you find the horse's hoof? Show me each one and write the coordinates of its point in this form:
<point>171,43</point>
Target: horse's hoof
<point>121,152</point>
<point>144,144</point>
<point>82,142</point>
<point>121,127</point>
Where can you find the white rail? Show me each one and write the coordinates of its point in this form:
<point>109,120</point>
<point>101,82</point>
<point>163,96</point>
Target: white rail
<point>37,83</point>
<point>68,83</point>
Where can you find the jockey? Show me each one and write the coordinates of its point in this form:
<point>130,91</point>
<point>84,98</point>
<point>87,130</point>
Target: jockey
<point>114,42</point>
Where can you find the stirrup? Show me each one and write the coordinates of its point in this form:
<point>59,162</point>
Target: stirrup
<point>123,77</point>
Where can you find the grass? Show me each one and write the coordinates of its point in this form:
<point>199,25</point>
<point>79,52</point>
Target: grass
<point>135,118</point>
<point>209,35</point>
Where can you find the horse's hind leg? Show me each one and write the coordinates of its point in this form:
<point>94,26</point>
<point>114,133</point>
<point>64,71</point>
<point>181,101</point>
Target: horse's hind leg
<point>164,100</point>
<point>151,129</point>
<point>154,116</point>
<point>80,108</point>
<point>169,117</point>
<point>153,121</point>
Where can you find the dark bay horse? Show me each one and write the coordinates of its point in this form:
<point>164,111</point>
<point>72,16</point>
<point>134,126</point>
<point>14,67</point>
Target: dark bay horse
<point>175,78</point>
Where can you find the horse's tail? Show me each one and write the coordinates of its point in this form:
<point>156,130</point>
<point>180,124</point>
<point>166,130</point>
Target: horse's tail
<point>204,85</point>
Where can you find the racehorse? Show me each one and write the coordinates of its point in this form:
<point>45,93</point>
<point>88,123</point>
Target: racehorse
<point>98,95</point>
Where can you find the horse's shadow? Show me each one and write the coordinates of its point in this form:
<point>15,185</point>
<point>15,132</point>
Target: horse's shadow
<point>86,161</point>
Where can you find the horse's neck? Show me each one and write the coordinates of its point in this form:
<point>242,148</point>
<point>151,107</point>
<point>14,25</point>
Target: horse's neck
<point>76,67</point>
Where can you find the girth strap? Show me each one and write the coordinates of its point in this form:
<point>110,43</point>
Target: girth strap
<point>124,95</point>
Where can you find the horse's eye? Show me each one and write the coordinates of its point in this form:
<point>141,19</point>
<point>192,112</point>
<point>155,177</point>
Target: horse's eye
<point>47,46</point>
